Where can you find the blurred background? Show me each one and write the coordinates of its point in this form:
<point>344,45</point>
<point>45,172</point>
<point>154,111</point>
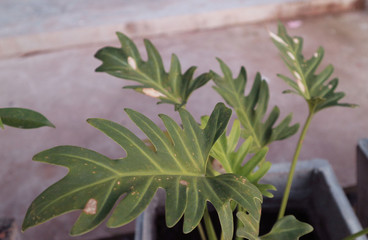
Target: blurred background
<point>47,64</point>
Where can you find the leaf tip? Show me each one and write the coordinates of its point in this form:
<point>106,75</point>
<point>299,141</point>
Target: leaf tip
<point>91,121</point>
<point>49,124</point>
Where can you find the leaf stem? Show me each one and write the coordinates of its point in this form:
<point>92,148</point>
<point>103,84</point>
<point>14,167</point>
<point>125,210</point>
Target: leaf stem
<point>358,234</point>
<point>201,232</point>
<point>209,226</point>
<point>293,164</point>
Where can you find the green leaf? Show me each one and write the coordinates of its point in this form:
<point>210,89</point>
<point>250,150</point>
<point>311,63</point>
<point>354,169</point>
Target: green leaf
<point>23,118</point>
<point>286,228</point>
<point>308,83</point>
<point>177,164</point>
<point>251,109</point>
<point>172,87</point>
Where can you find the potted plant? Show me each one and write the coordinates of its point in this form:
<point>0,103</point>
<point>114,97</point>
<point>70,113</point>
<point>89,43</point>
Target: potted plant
<point>182,159</point>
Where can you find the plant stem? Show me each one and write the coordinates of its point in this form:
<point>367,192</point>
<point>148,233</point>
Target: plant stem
<point>201,232</point>
<point>293,164</point>
<point>209,226</point>
<point>358,234</point>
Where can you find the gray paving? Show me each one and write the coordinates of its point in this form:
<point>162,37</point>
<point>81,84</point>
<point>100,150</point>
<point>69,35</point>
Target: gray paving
<point>32,26</point>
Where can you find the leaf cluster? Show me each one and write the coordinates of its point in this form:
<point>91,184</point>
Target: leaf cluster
<point>232,160</point>
<point>178,159</point>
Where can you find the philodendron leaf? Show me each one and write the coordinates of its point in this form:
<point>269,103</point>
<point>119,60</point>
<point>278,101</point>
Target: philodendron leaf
<point>286,228</point>
<point>172,87</point>
<point>224,150</point>
<point>251,109</point>
<point>177,164</point>
<point>23,118</point>
<point>314,87</point>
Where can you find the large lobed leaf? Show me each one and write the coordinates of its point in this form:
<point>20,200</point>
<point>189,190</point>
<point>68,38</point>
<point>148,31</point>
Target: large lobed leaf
<point>23,118</point>
<point>172,87</point>
<point>251,109</point>
<point>177,164</point>
<point>315,87</point>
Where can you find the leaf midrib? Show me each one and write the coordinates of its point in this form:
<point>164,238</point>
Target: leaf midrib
<point>111,178</point>
<point>240,112</point>
<point>132,173</point>
<point>90,161</point>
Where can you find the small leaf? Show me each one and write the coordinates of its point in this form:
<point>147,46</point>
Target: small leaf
<point>23,118</point>
<point>250,228</point>
<point>175,75</point>
<point>125,62</point>
<point>308,84</point>
<point>288,228</point>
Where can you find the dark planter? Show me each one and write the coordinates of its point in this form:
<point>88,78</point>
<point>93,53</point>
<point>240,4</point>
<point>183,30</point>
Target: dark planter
<point>362,187</point>
<point>316,198</point>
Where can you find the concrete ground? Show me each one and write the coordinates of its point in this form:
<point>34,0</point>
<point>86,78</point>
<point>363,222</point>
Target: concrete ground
<point>64,87</point>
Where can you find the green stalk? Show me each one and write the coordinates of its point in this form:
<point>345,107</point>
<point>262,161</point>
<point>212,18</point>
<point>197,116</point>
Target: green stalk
<point>209,226</point>
<point>293,164</point>
<point>201,232</point>
<point>358,234</point>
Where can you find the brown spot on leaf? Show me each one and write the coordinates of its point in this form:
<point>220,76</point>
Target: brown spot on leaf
<point>91,207</point>
<point>183,182</point>
<point>218,166</point>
